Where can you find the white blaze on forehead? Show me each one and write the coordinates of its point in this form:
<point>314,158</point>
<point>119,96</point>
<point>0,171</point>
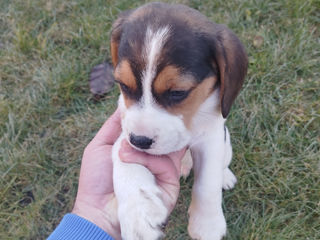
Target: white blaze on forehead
<point>153,44</point>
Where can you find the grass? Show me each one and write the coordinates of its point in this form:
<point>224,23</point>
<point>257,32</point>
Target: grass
<point>47,114</point>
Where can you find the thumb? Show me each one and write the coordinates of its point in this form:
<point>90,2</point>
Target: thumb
<point>163,167</point>
<point>110,130</point>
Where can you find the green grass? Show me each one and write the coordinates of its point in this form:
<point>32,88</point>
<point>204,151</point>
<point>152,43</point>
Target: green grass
<point>47,114</point>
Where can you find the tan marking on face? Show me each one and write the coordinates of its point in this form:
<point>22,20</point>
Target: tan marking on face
<point>171,78</point>
<point>114,52</point>
<point>188,107</point>
<point>124,74</point>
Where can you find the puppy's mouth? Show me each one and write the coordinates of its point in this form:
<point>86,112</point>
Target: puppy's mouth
<point>151,151</point>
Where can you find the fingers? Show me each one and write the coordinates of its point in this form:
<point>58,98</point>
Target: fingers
<point>166,168</point>
<point>176,158</point>
<point>110,130</point>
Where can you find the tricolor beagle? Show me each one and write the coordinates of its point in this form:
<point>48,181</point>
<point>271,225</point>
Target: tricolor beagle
<point>179,74</point>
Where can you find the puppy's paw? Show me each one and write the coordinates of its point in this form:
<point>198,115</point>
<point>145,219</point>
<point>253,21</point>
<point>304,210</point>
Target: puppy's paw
<point>229,179</point>
<point>143,216</point>
<point>207,227</point>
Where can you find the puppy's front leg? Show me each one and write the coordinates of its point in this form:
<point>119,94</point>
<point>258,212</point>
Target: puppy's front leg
<point>141,210</point>
<point>206,221</point>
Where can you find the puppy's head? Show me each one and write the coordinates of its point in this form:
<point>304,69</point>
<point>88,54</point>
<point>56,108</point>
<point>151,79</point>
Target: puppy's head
<point>168,60</point>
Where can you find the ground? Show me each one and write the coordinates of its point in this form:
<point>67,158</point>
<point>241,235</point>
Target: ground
<point>47,114</point>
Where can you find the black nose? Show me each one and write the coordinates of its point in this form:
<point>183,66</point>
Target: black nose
<point>140,141</point>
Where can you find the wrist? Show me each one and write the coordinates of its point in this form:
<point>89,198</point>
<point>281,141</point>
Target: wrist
<point>105,218</point>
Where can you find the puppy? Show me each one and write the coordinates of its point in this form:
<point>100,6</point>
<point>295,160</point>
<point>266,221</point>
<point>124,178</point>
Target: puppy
<point>179,74</point>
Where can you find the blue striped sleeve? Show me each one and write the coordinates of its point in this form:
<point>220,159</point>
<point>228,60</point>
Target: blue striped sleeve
<point>73,227</point>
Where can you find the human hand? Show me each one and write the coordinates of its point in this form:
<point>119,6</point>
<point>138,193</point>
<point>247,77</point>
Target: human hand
<point>165,168</point>
<point>95,199</point>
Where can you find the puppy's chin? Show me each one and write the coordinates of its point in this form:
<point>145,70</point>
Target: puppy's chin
<point>155,151</point>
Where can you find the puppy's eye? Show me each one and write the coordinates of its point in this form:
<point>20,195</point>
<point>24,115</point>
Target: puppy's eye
<point>177,96</point>
<point>124,88</point>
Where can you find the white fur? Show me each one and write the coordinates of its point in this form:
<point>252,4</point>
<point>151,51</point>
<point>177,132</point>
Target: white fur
<point>153,44</point>
<point>141,210</point>
<point>150,122</point>
<point>211,156</point>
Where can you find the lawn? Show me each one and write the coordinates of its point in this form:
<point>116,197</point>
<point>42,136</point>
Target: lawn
<point>48,115</point>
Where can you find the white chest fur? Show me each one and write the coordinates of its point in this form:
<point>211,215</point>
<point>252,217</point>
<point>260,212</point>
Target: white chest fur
<point>141,211</point>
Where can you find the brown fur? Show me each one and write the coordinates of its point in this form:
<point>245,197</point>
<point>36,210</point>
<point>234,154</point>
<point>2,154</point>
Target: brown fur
<point>114,52</point>
<point>232,62</point>
<point>191,104</point>
<point>116,36</point>
<point>171,78</point>
<point>123,73</point>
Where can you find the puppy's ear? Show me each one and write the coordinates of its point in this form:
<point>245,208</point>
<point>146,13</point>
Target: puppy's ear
<point>231,60</point>
<point>116,32</point>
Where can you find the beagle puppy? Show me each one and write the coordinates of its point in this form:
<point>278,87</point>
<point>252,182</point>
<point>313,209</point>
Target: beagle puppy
<point>179,74</point>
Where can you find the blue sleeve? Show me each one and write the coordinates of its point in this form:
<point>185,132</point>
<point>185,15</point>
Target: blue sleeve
<point>73,227</point>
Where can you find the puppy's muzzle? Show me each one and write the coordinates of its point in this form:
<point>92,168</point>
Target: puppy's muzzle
<point>141,142</point>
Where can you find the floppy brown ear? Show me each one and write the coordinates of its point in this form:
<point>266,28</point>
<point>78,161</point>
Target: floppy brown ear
<point>116,32</point>
<point>232,63</point>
